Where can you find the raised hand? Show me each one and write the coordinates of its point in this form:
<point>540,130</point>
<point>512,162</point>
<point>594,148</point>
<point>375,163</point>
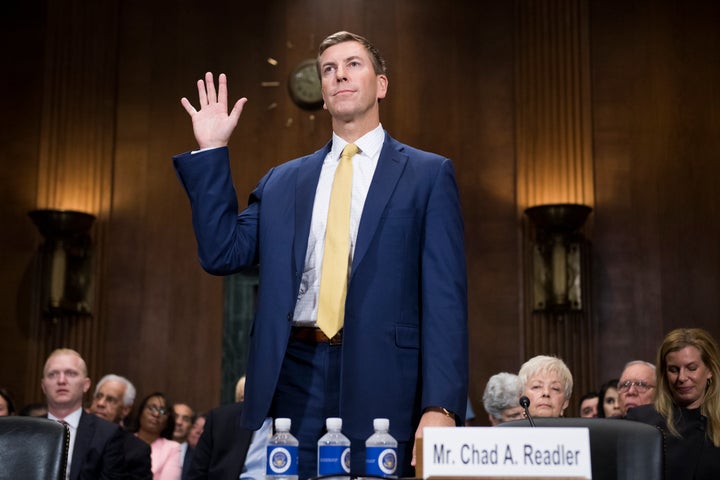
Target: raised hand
<point>212,125</point>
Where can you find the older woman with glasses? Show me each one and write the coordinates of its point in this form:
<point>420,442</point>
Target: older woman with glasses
<point>687,404</point>
<point>548,383</point>
<point>155,425</point>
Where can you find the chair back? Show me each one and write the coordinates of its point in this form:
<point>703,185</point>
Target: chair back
<point>619,449</point>
<point>33,448</point>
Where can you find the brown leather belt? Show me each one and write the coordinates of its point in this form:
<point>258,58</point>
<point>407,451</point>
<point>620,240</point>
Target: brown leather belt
<point>314,335</point>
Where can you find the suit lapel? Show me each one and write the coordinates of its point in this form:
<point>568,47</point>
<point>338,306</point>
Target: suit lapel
<point>85,432</point>
<point>389,168</point>
<point>307,180</point>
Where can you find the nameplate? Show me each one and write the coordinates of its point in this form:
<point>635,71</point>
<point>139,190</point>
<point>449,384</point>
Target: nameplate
<point>477,452</point>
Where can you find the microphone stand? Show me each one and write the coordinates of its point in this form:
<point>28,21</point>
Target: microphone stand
<point>525,404</point>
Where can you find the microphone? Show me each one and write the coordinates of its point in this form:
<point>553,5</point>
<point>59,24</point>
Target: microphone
<point>525,403</point>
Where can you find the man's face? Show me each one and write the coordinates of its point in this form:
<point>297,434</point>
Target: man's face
<point>183,422</point>
<point>636,387</point>
<point>64,381</point>
<point>108,402</point>
<point>350,86</point>
<point>589,408</point>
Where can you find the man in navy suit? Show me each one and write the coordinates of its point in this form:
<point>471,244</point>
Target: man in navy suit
<point>402,350</point>
<point>96,445</point>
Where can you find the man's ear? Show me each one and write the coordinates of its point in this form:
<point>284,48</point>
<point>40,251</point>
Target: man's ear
<point>382,86</point>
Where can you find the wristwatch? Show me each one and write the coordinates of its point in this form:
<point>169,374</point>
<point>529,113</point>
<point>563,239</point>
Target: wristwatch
<point>442,410</point>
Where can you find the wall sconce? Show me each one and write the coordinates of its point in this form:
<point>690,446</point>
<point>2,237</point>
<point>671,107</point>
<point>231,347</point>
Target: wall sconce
<point>66,261</point>
<point>557,255</point>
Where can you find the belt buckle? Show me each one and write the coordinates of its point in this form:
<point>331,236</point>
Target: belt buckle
<point>336,339</point>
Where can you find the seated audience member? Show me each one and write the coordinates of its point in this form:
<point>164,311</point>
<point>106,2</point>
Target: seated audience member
<point>589,405</point>
<point>548,383</point>
<point>184,418</point>
<point>155,425</point>
<point>34,410</point>
<point>7,404</point>
<point>687,405</point>
<point>96,446</point>
<point>113,401</point>
<point>196,430</point>
<point>608,404</point>
<point>226,450</point>
<point>501,398</point>
<point>636,385</point>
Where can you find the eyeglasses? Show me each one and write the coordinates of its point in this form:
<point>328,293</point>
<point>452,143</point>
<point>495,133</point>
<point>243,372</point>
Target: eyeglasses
<point>642,387</point>
<point>158,410</point>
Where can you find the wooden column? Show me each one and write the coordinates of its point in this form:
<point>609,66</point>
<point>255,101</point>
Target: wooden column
<point>554,161</point>
<point>75,155</point>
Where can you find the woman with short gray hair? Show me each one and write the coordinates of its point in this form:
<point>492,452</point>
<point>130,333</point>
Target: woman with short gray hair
<point>548,383</point>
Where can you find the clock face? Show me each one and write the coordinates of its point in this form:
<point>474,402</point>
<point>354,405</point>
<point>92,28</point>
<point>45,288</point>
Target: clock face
<point>304,85</point>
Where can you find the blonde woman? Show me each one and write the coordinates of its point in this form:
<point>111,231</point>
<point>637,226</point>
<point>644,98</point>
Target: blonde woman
<point>687,404</point>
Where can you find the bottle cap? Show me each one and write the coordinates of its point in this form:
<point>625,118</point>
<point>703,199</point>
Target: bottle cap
<point>333,423</point>
<point>381,424</point>
<point>282,424</point>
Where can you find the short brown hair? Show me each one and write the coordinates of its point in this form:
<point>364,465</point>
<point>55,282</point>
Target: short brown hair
<point>341,37</point>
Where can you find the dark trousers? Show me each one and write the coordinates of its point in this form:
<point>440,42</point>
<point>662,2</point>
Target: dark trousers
<point>308,392</point>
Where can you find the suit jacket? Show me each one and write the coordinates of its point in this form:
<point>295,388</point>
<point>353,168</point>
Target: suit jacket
<point>98,452</point>
<point>693,456</point>
<point>137,457</point>
<point>220,453</point>
<point>187,459</point>
<point>405,330</point>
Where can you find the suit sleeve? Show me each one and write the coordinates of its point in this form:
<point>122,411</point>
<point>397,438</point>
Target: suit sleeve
<point>444,299</point>
<point>227,241</point>
<point>113,457</point>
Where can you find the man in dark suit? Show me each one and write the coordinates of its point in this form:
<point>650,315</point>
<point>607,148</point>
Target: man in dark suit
<point>401,351</point>
<point>96,445</point>
<point>184,419</point>
<point>221,452</point>
<point>113,401</point>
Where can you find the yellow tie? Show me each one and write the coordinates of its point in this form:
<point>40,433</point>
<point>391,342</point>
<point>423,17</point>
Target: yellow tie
<point>336,256</point>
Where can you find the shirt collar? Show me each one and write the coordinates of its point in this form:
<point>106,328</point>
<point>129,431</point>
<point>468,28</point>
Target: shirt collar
<point>73,420</point>
<point>369,144</point>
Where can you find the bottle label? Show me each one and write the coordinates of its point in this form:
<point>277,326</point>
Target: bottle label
<point>381,461</point>
<point>282,460</point>
<point>333,459</point>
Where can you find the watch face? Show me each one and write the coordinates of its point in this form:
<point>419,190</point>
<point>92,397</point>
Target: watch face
<point>304,85</point>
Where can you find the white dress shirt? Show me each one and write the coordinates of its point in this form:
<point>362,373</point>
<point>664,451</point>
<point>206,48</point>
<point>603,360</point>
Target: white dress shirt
<point>72,420</point>
<point>364,165</point>
<point>256,458</point>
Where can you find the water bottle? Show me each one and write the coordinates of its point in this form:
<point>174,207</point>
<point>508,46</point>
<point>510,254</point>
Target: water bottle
<point>282,453</point>
<point>381,451</point>
<point>333,450</point>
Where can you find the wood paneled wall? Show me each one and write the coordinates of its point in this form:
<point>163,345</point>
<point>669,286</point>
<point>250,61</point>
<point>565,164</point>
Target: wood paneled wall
<point>653,104</point>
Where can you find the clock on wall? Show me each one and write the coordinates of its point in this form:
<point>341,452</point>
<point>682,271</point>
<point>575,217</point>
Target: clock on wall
<point>304,85</point>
